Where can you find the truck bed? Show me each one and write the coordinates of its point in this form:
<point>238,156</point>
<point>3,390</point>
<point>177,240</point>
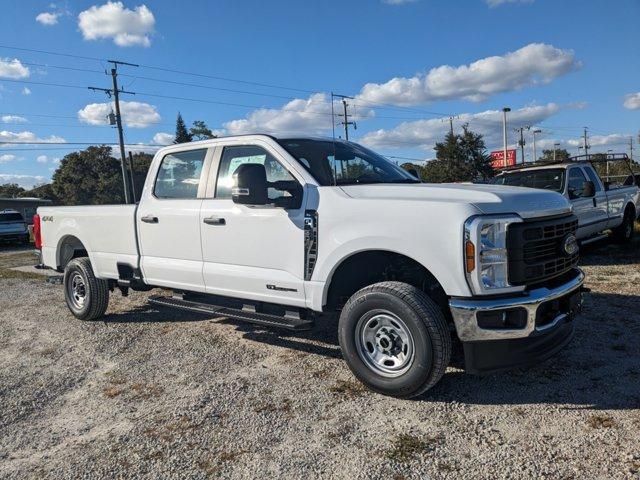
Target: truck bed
<point>106,231</point>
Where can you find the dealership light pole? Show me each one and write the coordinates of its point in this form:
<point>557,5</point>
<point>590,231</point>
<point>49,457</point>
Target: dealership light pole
<point>535,156</point>
<point>504,134</point>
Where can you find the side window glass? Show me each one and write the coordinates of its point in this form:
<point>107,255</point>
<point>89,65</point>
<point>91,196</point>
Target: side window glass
<point>576,182</point>
<point>593,177</point>
<point>278,178</point>
<point>179,175</point>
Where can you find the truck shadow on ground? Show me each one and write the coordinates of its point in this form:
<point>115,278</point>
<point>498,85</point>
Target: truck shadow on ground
<point>599,369</point>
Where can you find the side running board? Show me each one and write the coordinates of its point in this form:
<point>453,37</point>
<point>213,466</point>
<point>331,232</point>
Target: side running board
<point>290,321</point>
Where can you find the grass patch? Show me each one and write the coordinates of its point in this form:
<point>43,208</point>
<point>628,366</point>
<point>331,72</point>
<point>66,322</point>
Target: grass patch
<point>407,446</point>
<point>111,392</point>
<point>145,391</point>
<point>348,388</point>
<point>6,273</point>
<point>601,421</point>
<point>18,259</point>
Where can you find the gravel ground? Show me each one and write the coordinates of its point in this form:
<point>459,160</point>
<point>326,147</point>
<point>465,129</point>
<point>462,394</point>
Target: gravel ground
<point>151,393</point>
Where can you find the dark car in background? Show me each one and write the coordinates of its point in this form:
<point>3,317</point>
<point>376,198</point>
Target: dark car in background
<point>13,227</point>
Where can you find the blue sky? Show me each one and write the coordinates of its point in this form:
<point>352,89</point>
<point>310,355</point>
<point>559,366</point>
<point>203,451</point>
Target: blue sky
<point>560,65</point>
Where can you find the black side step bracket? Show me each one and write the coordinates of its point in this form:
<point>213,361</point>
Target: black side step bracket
<point>290,321</point>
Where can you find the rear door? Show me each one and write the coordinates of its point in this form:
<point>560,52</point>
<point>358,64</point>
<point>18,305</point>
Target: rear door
<point>252,252</point>
<point>169,221</point>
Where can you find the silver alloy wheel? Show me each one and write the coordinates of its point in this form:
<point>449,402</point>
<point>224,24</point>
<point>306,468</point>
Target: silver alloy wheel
<point>77,290</point>
<point>384,343</point>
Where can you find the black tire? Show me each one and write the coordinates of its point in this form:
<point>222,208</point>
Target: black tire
<point>624,233</point>
<point>423,319</point>
<point>78,277</point>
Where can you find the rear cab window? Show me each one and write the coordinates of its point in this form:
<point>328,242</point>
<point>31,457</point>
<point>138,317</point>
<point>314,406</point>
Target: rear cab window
<point>11,217</point>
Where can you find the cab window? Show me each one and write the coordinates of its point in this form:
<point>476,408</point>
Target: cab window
<point>280,181</point>
<point>593,177</point>
<point>179,175</point>
<point>576,182</point>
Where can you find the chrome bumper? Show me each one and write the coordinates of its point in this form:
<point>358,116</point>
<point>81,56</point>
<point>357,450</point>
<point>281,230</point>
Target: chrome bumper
<point>464,311</point>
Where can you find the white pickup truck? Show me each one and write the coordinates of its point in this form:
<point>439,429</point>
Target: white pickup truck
<point>274,230</point>
<point>612,204</point>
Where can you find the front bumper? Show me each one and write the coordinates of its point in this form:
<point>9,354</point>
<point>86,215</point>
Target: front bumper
<point>548,327</point>
<point>465,311</point>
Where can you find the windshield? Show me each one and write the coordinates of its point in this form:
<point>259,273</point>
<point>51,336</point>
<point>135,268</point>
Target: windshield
<point>546,179</point>
<point>10,217</point>
<point>340,163</point>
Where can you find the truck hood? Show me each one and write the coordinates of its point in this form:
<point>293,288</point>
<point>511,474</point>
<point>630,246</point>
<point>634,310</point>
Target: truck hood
<point>489,199</point>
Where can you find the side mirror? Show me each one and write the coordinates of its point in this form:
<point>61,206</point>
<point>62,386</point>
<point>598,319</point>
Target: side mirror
<point>250,185</point>
<point>588,189</point>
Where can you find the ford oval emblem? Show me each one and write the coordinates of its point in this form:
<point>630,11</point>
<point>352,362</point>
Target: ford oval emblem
<point>570,245</point>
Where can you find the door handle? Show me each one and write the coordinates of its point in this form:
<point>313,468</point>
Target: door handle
<point>215,221</point>
<point>149,219</point>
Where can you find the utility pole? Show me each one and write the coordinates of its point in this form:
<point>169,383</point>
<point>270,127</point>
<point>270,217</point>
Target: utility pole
<point>345,122</point>
<point>586,144</point>
<point>451,119</point>
<point>535,155</point>
<point>504,134</point>
<point>631,148</point>
<point>521,142</point>
<point>115,92</point>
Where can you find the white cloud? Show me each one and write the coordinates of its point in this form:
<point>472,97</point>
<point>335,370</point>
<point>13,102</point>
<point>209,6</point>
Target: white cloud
<point>163,138</point>
<point>26,136</point>
<point>425,133</point>
<point>47,18</point>
<point>5,158</point>
<point>497,3</point>
<point>533,64</point>
<point>632,101</point>
<point>26,91</point>
<point>308,116</point>
<point>112,20</point>
<point>13,119</point>
<point>601,140</point>
<point>25,181</point>
<point>134,114</point>
<point>12,69</point>
<point>42,159</point>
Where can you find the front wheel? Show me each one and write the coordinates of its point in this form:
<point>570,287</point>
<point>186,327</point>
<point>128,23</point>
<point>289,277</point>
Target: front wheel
<point>395,339</point>
<point>87,296</point>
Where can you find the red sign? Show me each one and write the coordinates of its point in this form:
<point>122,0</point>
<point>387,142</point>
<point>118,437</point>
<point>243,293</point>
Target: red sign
<point>498,158</point>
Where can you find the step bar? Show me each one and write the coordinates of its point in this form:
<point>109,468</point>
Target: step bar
<point>290,321</point>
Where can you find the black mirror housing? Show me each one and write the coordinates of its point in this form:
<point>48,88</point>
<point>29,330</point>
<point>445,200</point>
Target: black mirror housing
<point>250,185</point>
<point>588,189</point>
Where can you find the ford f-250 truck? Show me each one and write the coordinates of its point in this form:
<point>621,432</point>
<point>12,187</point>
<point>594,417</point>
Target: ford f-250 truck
<point>273,230</point>
<point>600,205</point>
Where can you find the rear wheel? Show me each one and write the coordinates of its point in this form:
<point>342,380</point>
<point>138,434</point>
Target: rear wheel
<point>87,296</point>
<point>394,339</point>
<point>624,233</point>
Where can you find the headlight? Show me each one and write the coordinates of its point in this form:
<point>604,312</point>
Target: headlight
<point>485,254</point>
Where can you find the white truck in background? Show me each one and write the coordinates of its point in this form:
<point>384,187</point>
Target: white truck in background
<point>275,230</point>
<point>600,205</point>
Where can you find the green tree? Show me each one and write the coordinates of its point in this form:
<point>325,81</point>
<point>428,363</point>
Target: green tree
<point>560,154</point>
<point>200,131</point>
<point>141,163</point>
<point>11,190</point>
<point>182,135</point>
<point>459,158</point>
<point>44,191</point>
<point>89,177</point>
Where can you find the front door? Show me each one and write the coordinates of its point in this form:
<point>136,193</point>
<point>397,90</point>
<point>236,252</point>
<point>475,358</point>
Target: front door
<point>582,206</point>
<point>169,222</point>
<point>253,252</point>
